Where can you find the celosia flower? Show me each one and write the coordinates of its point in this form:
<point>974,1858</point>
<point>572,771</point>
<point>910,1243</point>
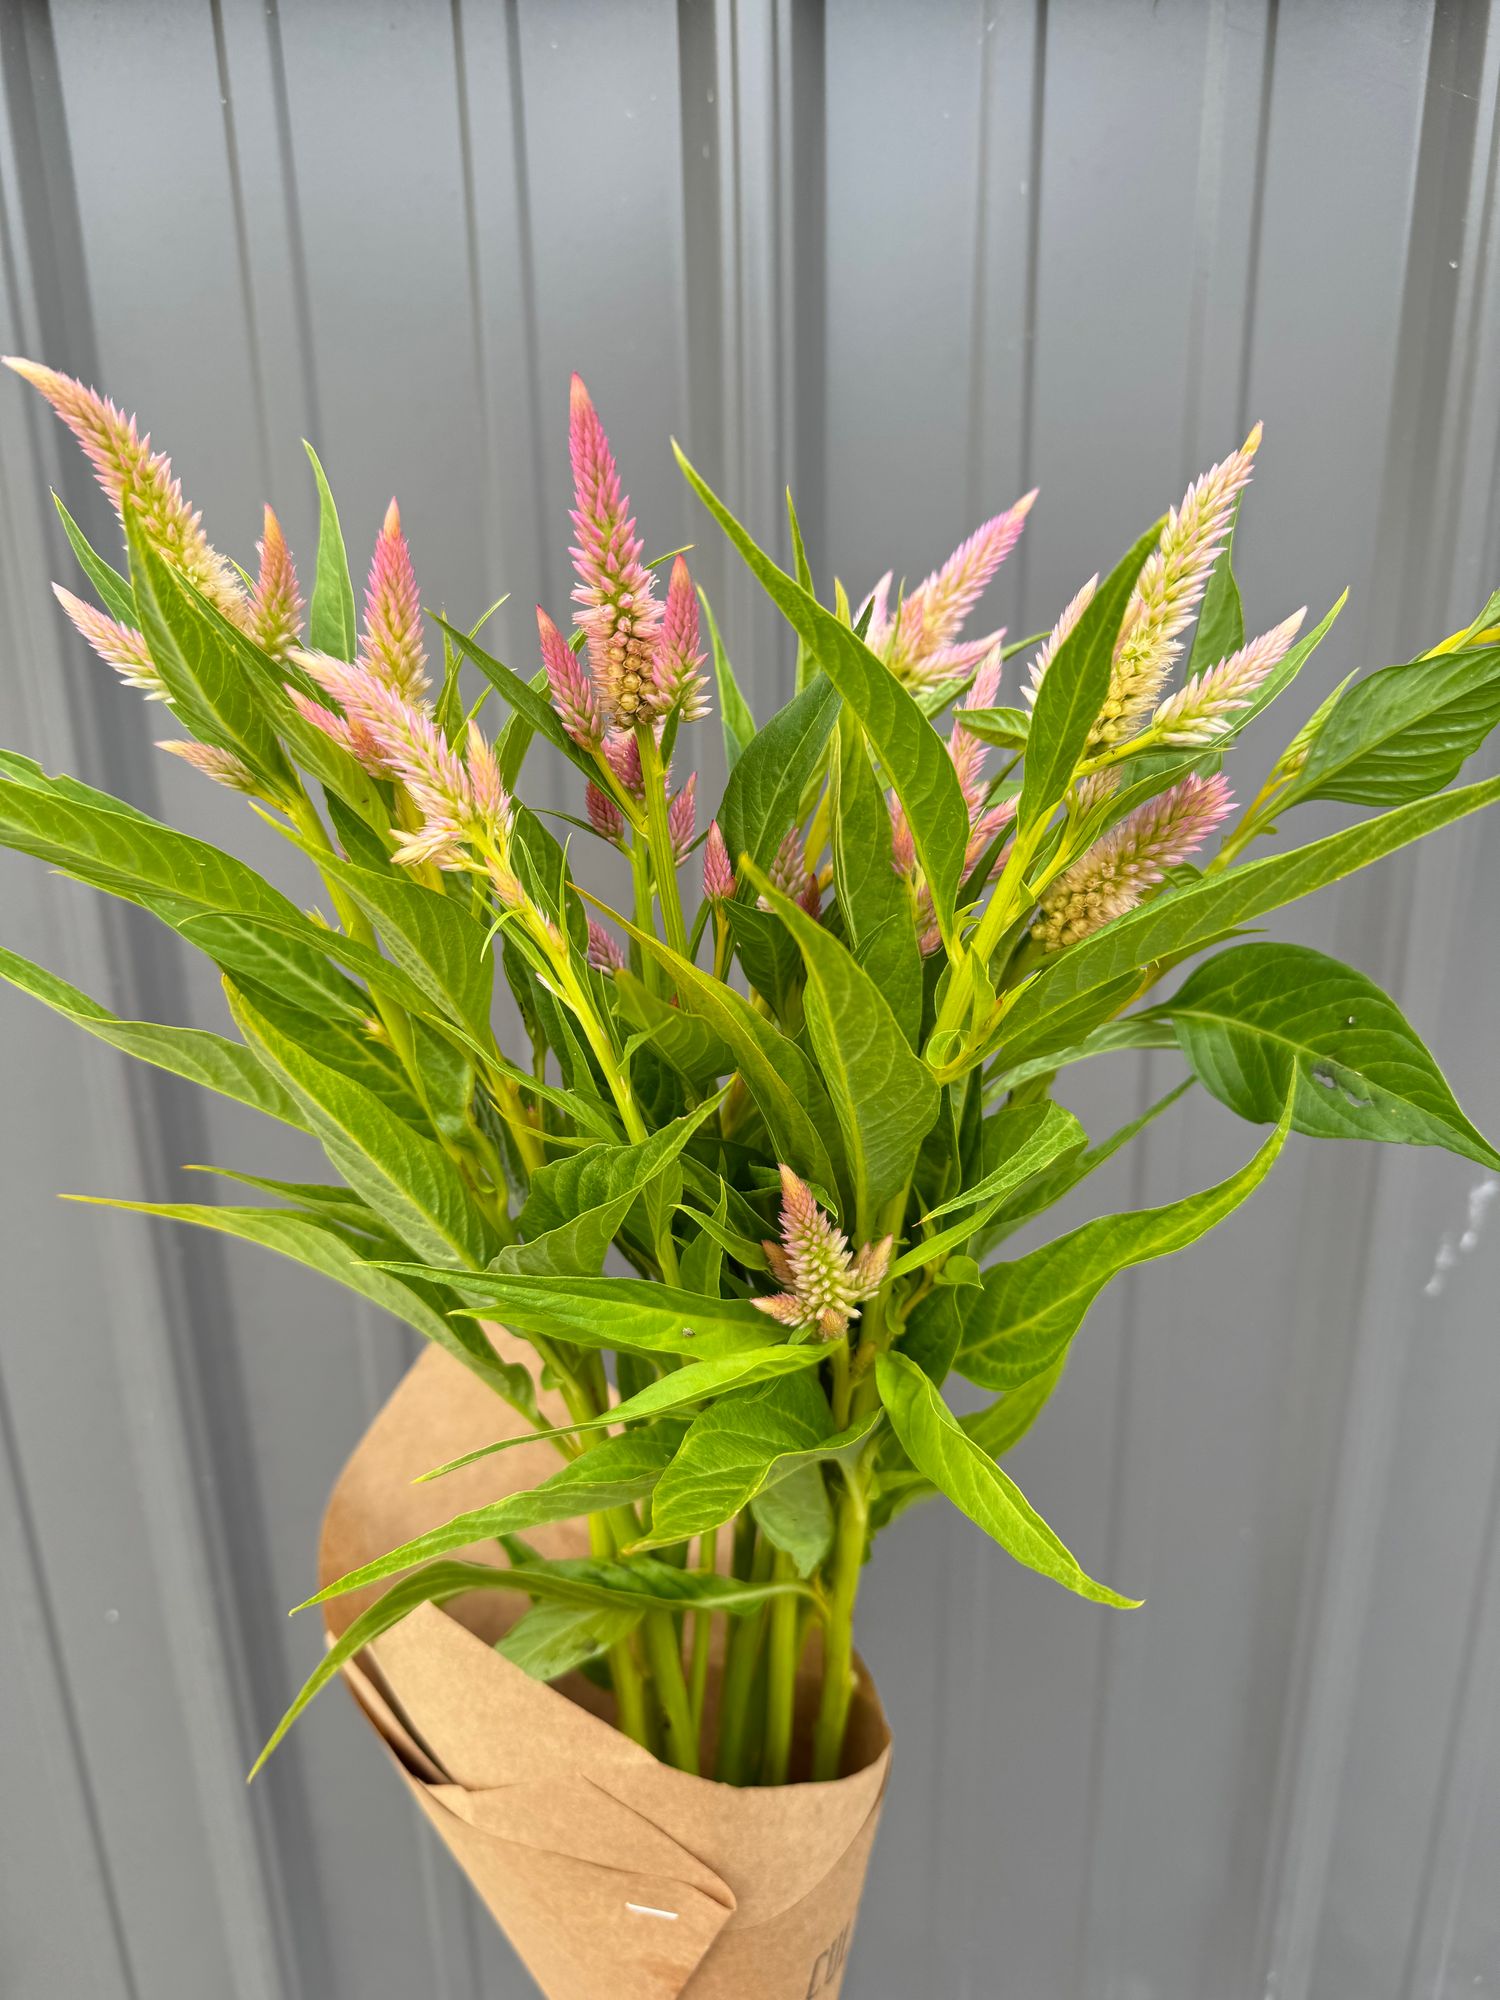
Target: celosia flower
<point>603,953</point>
<point>1202,709</point>
<point>677,672</point>
<point>119,646</point>
<point>718,875</point>
<point>790,873</point>
<point>918,645</point>
<point>275,620</point>
<point>572,692</point>
<point>620,614</point>
<point>824,1284</point>
<point>624,756</point>
<point>681,818</point>
<point>1131,859</point>
<point>390,645</point>
<point>1073,610</point>
<point>605,816</point>
<point>1172,583</point>
<point>135,476</point>
<point>220,765</point>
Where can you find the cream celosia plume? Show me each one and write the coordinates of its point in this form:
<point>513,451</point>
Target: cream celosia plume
<point>824,1284</point>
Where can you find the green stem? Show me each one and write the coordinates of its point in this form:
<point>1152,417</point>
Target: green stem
<point>746,1637</point>
<point>708,1556</point>
<point>838,1635</point>
<point>659,835</point>
<point>781,1680</point>
<point>664,1657</point>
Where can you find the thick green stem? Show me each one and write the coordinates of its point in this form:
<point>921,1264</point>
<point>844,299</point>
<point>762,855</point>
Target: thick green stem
<point>746,1638</point>
<point>664,1656</point>
<point>781,1679</point>
<point>708,1556</point>
<point>838,1634</point>
<point>659,835</point>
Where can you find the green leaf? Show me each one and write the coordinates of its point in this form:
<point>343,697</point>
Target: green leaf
<point>221,698</point>
<point>1284,672</point>
<point>1074,689</point>
<point>734,711</point>
<point>875,903</point>
<point>1203,909</point>
<point>884,1094</point>
<point>683,1389</point>
<point>1031,1309</point>
<point>1049,1188</point>
<point>764,792</point>
<point>771,961</point>
<point>642,1585</point>
<point>740,1447</point>
<point>783,1083</point>
<point>331,624</point>
<point>107,581</point>
<point>1404,732</point>
<point>685,1041</point>
<point>221,1065</point>
<point>1017,1143</point>
<point>1010,728</point>
<point>527,701</point>
<point>1000,1426</point>
<point>914,756</point>
<point>431,936</point>
<point>1136,1031</point>
<point>795,1515</point>
<point>634,1313</point>
<point>313,1241</point>
<point>942,1450</point>
<point>407,1179</point>
<point>1261,1020</point>
<point>550,1640</point>
<point>1221,622</point>
<point>616,1472</point>
<point>576,1206</point>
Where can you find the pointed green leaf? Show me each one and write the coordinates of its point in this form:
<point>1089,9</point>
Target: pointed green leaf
<point>431,936</point>
<point>614,1473</point>
<point>1264,1019</point>
<point>884,1094</point>
<point>795,1514</point>
<point>407,1179</point>
<point>734,711</point>
<point>764,793</point>
<point>1030,1310</point>
<point>910,749</point>
<point>527,701</point>
<point>1000,1426</point>
<point>227,1067</point>
<point>1221,622</point>
<point>1018,1143</point>
<point>331,623</point>
<point>550,1640</point>
<point>323,1247</point>
<point>942,1450</point>
<point>876,905</point>
<point>1404,732</point>
<point>107,581</point>
<point>1074,689</point>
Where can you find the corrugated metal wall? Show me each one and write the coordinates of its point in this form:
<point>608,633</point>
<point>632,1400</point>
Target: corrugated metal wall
<point>914,258</point>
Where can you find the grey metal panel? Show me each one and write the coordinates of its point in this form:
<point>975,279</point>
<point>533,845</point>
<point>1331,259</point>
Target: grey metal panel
<point>917,259</point>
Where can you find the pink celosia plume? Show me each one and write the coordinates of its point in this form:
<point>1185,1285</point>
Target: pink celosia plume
<point>135,476</point>
<point>682,817</point>
<point>275,618</point>
<point>1073,610</point>
<point>119,646</point>
<point>824,1284</point>
<point>603,953</point>
<point>1130,860</point>
<point>604,815</point>
<point>1205,706</point>
<point>220,765</point>
<point>618,611</point>
<point>718,874</point>
<point>390,644</point>
<point>930,619</point>
<point>677,671</point>
<point>1169,590</point>
<point>572,691</point>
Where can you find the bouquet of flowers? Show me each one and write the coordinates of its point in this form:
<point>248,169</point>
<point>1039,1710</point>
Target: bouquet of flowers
<point>701,1248</point>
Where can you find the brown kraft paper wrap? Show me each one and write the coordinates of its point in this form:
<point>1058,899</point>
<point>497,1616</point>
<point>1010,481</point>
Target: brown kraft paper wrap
<point>614,1876</point>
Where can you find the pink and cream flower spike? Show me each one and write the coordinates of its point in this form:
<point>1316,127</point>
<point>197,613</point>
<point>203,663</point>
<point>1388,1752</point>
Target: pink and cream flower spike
<point>824,1284</point>
<point>920,642</point>
<point>1204,707</point>
<point>1131,859</point>
<point>133,475</point>
<point>718,873</point>
<point>677,672</point>
<point>790,873</point>
<point>1072,611</point>
<point>220,765</point>
<point>604,955</point>
<point>276,607</point>
<point>390,645</point>
<point>619,612</point>
<point>572,691</point>
<point>119,646</point>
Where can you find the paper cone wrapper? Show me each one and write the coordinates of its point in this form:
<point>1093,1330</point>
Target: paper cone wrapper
<point>614,1876</point>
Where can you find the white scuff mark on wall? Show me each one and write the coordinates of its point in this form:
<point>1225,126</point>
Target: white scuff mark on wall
<point>1454,1246</point>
